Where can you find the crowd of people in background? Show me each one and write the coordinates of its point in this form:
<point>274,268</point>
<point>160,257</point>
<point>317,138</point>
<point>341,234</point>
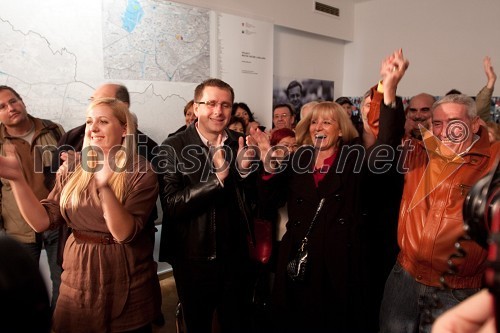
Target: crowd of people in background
<point>372,194</point>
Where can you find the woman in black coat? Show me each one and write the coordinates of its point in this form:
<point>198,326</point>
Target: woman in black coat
<point>330,166</point>
<point>322,301</point>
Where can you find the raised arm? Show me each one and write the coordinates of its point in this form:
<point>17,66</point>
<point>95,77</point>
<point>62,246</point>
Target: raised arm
<point>392,71</point>
<point>383,100</point>
<point>483,98</point>
<point>29,205</point>
<point>490,73</point>
<point>392,116</point>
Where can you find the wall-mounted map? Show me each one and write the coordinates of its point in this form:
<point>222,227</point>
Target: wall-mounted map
<point>155,40</point>
<point>56,52</point>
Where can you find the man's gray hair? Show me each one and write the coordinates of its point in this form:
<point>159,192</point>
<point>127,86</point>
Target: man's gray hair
<point>461,99</point>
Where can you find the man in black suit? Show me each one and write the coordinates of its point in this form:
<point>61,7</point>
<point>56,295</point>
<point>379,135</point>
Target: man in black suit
<point>204,232</point>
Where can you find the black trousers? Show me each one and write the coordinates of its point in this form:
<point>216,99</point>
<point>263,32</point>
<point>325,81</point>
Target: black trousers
<point>208,286</point>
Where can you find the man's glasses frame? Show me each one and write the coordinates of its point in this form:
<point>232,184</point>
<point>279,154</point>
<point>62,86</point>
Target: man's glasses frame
<point>213,104</point>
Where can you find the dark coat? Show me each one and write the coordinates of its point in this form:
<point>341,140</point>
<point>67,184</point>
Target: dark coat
<point>327,294</point>
<point>180,129</point>
<point>333,296</point>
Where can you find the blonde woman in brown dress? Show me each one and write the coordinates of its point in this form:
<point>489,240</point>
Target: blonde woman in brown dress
<point>109,273</point>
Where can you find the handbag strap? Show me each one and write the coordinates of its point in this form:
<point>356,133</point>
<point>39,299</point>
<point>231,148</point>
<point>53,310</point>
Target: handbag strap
<point>320,205</point>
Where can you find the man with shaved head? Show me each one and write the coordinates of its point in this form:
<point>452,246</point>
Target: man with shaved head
<point>418,113</point>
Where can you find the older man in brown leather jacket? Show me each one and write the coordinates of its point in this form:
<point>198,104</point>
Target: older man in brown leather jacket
<point>440,169</point>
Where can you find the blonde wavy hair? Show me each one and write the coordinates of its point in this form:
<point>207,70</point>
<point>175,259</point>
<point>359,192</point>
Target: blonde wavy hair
<point>79,180</point>
<point>330,109</point>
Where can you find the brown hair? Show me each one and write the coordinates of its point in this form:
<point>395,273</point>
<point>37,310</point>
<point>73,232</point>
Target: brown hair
<point>198,92</point>
<point>188,105</point>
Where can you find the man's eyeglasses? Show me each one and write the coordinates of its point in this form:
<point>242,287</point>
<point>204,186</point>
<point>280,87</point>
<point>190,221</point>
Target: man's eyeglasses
<point>213,104</point>
<point>11,102</point>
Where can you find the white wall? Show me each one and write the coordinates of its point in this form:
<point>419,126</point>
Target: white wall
<point>296,14</point>
<point>304,55</point>
<point>444,40</point>
<point>307,44</point>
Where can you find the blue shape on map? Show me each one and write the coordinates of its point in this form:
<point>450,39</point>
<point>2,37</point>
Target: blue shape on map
<point>132,16</point>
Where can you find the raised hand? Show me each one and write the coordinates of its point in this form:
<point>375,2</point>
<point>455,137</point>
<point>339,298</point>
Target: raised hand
<point>261,142</point>
<point>70,158</point>
<point>246,155</point>
<point>10,166</point>
<point>103,175</point>
<point>490,72</point>
<point>392,71</point>
<point>394,66</point>
<point>219,159</point>
<point>29,205</point>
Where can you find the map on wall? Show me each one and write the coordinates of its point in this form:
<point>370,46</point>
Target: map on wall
<point>155,40</point>
<point>55,53</point>
<point>44,76</point>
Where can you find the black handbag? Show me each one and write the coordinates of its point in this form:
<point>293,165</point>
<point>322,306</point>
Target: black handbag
<point>297,266</point>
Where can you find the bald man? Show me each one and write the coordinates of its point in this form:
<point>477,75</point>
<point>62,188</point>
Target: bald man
<point>418,113</point>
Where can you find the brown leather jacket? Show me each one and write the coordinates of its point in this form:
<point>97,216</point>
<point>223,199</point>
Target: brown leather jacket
<point>430,217</point>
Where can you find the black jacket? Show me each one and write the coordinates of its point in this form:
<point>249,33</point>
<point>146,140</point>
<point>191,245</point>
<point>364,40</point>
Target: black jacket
<point>201,218</point>
<point>332,297</point>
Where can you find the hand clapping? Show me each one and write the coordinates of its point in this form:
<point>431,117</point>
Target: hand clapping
<point>10,166</point>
